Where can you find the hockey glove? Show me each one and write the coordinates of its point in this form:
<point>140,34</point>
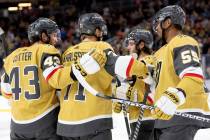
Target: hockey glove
<point>117,107</point>
<point>5,86</point>
<point>120,91</point>
<point>130,91</point>
<point>132,94</point>
<point>166,106</point>
<point>91,62</point>
<point>150,62</point>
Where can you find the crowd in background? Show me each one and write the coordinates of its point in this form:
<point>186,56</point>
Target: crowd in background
<point>120,16</point>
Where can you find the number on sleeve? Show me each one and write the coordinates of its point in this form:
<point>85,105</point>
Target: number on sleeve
<point>50,61</point>
<point>188,56</point>
<point>185,57</point>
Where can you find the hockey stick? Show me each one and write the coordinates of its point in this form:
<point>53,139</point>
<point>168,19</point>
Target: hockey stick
<point>126,121</point>
<point>124,108</point>
<point>92,91</point>
<point>138,123</point>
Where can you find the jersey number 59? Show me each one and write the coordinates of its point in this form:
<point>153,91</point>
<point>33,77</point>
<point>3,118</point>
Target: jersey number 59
<point>188,56</point>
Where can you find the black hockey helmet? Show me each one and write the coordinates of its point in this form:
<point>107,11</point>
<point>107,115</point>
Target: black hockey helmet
<point>89,22</point>
<point>39,26</point>
<point>174,12</point>
<point>139,35</point>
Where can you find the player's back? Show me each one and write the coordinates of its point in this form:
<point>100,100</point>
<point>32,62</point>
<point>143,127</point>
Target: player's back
<point>82,113</point>
<point>34,101</point>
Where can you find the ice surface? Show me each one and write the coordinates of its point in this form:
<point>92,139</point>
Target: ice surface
<point>119,131</point>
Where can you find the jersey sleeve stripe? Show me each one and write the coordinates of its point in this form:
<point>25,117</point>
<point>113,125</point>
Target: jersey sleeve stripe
<point>123,66</point>
<point>193,75</point>
<point>50,71</point>
<point>129,67</point>
<point>192,71</point>
<point>150,99</point>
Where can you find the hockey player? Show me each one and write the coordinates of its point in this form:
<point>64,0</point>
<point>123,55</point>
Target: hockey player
<point>178,75</point>
<point>139,43</point>
<point>31,77</point>
<point>179,78</point>
<point>82,115</point>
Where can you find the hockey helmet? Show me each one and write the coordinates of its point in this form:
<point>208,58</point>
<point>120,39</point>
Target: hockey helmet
<point>42,25</point>
<point>174,12</point>
<point>139,35</point>
<point>89,22</point>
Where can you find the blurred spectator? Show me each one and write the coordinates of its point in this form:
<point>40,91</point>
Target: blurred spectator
<point>207,65</point>
<point>120,15</point>
<point>206,46</point>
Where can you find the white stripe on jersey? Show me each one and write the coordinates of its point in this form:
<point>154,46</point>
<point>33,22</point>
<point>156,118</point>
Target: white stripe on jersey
<point>194,70</point>
<point>48,71</point>
<point>122,65</point>
<point>85,120</point>
<point>36,118</point>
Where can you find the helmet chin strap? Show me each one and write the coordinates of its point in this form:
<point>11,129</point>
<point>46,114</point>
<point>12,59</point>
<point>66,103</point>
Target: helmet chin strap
<point>98,38</point>
<point>163,38</point>
<point>47,41</point>
<point>138,50</point>
<point>164,31</point>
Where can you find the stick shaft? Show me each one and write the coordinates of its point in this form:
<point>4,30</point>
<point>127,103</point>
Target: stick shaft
<point>94,92</point>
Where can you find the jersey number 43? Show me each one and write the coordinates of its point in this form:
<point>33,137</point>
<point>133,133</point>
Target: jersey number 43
<point>15,76</point>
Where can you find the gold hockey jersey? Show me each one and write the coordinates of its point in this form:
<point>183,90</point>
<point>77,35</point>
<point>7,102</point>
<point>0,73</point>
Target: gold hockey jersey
<point>179,66</point>
<point>31,75</point>
<point>140,89</point>
<point>81,113</point>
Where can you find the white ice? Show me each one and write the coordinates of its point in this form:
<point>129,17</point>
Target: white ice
<point>119,131</point>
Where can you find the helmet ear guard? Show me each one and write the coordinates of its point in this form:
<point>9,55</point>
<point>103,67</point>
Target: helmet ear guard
<point>162,23</point>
